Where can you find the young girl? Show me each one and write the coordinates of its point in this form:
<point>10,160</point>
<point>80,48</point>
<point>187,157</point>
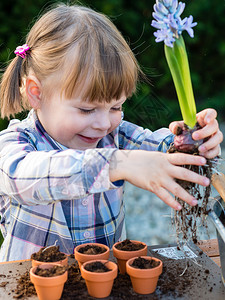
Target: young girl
<point>62,169</point>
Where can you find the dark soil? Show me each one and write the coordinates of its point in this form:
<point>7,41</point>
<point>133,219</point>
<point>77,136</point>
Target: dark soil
<point>25,287</point>
<point>97,267</point>
<point>51,272</point>
<point>189,219</point>
<point>170,283</point>
<point>142,263</point>
<point>92,250</point>
<point>127,245</point>
<point>51,254</point>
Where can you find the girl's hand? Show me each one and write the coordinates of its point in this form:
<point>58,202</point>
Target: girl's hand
<point>209,131</point>
<point>156,172</point>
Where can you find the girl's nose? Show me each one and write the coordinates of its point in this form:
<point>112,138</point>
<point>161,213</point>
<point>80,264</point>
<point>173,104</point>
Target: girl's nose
<point>102,122</point>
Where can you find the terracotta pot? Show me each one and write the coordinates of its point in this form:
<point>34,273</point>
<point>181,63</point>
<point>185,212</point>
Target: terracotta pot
<point>48,288</point>
<point>144,281</point>
<point>82,258</point>
<point>122,256</point>
<point>99,285</point>
<point>63,262</point>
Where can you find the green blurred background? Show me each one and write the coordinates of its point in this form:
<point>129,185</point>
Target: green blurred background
<point>155,105</point>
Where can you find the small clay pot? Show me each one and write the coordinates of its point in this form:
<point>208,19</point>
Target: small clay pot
<point>82,257</point>
<point>63,262</point>
<point>144,281</point>
<point>122,256</point>
<point>99,285</point>
<point>48,288</point>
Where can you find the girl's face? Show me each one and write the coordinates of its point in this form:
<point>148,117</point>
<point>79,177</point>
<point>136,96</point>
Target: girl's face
<point>79,124</point>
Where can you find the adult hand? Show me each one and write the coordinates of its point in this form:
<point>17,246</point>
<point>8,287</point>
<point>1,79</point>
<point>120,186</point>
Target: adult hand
<point>210,132</point>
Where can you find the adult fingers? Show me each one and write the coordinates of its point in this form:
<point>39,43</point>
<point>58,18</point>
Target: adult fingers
<point>206,116</point>
<point>211,143</point>
<point>174,125</point>
<point>206,131</point>
<point>212,152</point>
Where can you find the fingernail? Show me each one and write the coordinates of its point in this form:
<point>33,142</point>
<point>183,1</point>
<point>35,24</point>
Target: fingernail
<point>194,202</point>
<point>179,207</point>
<point>203,160</point>
<point>201,148</point>
<point>196,135</point>
<point>208,119</point>
<point>206,181</point>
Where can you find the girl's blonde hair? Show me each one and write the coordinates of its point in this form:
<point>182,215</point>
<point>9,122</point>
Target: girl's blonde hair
<point>71,46</point>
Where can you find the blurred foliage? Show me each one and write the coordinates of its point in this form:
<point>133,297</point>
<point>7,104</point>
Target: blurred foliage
<point>155,104</point>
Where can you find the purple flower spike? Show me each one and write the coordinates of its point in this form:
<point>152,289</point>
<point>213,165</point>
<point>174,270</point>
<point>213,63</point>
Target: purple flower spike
<point>168,22</point>
<point>188,26</point>
<point>166,36</point>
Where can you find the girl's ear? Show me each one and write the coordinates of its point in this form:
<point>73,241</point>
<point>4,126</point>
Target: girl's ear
<point>33,91</point>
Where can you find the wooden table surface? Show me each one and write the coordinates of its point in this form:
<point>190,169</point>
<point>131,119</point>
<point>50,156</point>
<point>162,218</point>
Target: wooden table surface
<point>11,270</point>
<point>211,248</point>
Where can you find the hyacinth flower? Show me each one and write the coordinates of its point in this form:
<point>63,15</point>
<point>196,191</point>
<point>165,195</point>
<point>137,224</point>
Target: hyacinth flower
<point>169,29</point>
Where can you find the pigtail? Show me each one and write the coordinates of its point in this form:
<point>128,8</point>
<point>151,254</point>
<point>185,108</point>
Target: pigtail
<point>10,88</point>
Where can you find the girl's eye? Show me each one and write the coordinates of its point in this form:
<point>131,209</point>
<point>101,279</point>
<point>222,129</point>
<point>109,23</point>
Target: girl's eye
<point>86,111</point>
<point>117,108</point>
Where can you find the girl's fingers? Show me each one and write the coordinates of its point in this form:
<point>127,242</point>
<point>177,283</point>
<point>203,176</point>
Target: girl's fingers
<point>185,174</point>
<point>185,159</point>
<point>181,193</point>
<point>166,197</point>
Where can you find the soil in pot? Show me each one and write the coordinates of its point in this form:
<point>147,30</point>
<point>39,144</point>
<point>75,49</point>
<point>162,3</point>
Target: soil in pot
<point>142,263</point>
<point>128,245</point>
<point>54,271</point>
<point>92,249</point>
<point>97,267</point>
<point>127,249</point>
<point>48,254</point>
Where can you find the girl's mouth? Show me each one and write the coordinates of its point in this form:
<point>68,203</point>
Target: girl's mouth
<point>89,140</point>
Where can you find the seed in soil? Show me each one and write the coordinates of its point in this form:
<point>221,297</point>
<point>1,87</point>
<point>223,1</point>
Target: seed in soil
<point>128,245</point>
<point>92,249</point>
<point>142,263</point>
<point>97,267</point>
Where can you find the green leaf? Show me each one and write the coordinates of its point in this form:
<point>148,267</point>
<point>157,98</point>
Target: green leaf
<point>179,67</point>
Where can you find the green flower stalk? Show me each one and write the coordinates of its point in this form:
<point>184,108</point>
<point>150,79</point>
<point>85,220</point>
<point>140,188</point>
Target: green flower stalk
<point>170,26</point>
<point>179,67</point>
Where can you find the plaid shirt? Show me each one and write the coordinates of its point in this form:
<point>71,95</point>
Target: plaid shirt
<point>49,192</point>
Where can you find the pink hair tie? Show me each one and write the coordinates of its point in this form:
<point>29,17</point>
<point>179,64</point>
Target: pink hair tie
<point>22,50</point>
